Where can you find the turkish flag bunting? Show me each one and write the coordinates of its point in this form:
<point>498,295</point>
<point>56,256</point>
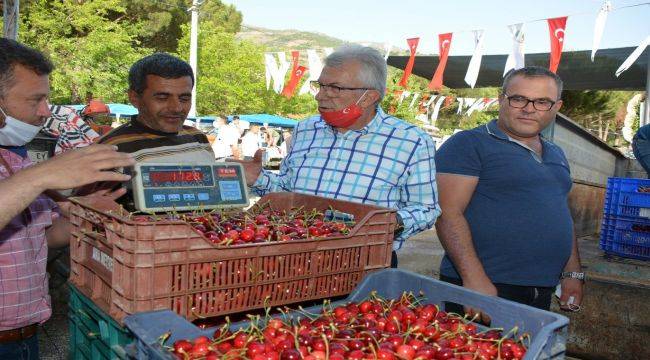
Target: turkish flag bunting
<point>413,45</point>
<point>295,56</point>
<point>290,88</point>
<point>556,29</point>
<point>444,43</point>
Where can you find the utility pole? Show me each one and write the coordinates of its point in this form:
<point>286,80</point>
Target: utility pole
<point>194,35</point>
<point>10,16</point>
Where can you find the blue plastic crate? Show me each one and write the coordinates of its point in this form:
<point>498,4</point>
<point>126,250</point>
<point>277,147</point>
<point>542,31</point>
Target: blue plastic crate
<point>626,197</point>
<point>626,237</point>
<point>548,330</point>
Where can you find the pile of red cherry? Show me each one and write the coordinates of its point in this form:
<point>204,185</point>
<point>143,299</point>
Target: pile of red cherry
<point>262,224</point>
<point>372,329</point>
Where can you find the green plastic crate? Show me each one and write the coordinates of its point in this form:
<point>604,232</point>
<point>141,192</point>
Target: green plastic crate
<point>93,334</point>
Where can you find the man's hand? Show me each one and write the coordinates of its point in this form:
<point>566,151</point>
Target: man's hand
<point>79,167</point>
<point>483,286</point>
<point>252,168</point>
<point>571,297</point>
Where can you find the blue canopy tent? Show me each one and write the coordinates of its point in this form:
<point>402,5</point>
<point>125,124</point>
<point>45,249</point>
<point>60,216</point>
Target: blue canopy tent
<point>124,110</point>
<point>120,110</point>
<point>271,120</point>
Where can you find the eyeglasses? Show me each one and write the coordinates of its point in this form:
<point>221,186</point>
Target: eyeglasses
<point>520,102</point>
<point>333,89</point>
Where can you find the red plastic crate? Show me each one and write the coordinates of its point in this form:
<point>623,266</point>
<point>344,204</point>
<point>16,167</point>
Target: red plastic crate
<point>127,266</point>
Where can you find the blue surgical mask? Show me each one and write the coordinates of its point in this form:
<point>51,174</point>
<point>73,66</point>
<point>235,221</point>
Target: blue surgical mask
<point>16,132</point>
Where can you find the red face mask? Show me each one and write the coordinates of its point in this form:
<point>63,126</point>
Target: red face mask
<point>343,118</point>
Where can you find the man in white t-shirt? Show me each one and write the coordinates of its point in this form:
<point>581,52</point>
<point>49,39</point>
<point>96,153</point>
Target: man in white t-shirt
<point>240,125</point>
<point>250,142</point>
<point>225,145</point>
<point>286,140</point>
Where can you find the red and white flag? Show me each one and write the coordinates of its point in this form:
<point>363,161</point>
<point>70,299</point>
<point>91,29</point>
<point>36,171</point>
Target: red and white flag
<point>599,27</point>
<point>387,47</point>
<point>413,45</point>
<point>414,99</point>
<point>270,65</point>
<point>475,61</point>
<point>444,43</point>
<point>295,58</point>
<point>436,109</point>
<point>276,71</point>
<point>290,88</point>
<point>516,59</point>
<point>556,27</point>
<point>315,68</point>
<point>633,56</point>
<point>403,95</point>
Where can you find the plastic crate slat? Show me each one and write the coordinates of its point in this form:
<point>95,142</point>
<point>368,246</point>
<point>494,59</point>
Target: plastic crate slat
<point>151,266</point>
<point>548,330</point>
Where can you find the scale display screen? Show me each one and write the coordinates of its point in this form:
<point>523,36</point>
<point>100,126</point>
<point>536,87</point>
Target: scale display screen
<point>169,187</point>
<point>160,178</point>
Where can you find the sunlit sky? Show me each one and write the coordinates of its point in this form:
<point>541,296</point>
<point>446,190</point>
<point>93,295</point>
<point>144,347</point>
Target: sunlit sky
<point>383,21</point>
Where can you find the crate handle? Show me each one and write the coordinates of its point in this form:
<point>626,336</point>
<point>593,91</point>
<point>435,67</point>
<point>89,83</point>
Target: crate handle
<point>120,351</point>
<point>94,235</point>
<point>103,330</point>
<point>84,313</point>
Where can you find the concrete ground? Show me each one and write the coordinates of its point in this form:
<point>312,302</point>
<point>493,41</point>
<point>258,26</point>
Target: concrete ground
<point>421,254</point>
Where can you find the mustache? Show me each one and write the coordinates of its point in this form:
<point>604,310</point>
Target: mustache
<point>173,114</point>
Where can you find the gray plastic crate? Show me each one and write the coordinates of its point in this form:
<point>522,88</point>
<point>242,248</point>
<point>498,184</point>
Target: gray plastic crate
<point>548,330</point>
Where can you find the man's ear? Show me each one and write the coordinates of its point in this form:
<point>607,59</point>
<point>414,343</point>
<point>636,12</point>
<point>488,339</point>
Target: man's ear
<point>134,98</point>
<point>558,104</point>
<point>370,98</point>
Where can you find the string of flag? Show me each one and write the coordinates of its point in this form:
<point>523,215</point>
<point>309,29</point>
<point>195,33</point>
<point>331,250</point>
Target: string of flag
<point>277,64</point>
<point>516,58</point>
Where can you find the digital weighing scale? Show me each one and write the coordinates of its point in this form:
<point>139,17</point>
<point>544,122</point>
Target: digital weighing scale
<point>159,187</point>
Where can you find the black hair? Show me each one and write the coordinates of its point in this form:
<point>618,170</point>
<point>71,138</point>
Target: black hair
<point>159,64</point>
<point>532,71</point>
<point>12,53</point>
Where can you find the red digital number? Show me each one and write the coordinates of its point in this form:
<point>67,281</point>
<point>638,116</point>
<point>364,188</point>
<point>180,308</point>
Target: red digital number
<point>175,176</point>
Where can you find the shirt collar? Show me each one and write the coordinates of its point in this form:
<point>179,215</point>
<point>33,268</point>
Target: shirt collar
<point>18,150</point>
<point>494,130</point>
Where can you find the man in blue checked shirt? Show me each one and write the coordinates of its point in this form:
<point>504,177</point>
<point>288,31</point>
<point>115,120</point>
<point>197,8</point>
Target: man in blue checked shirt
<point>354,151</point>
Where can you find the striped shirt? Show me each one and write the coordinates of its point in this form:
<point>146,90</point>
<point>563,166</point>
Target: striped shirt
<point>135,137</point>
<point>69,128</point>
<point>24,298</point>
<point>388,163</point>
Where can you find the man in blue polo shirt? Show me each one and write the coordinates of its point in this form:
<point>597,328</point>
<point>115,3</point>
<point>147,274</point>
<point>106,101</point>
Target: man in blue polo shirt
<point>505,224</point>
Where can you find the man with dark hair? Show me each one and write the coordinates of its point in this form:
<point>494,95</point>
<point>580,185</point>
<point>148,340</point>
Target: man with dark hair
<point>160,87</point>
<point>505,224</point>
<point>29,219</point>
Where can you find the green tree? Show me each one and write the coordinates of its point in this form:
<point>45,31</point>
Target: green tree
<point>231,77</point>
<point>159,24</point>
<point>448,119</point>
<point>599,111</point>
<point>91,52</point>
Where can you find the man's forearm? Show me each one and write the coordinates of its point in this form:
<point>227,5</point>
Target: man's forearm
<point>456,237</point>
<point>16,193</point>
<point>574,260</point>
